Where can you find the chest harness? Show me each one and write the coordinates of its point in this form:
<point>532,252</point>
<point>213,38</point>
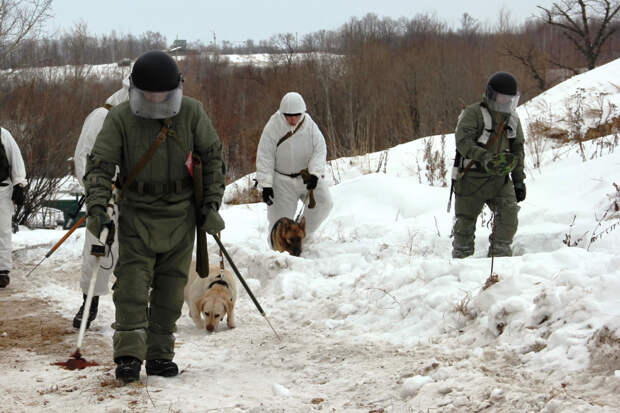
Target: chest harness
<point>461,164</point>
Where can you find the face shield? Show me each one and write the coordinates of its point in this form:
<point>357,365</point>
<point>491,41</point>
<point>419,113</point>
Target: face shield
<point>155,105</point>
<point>500,102</point>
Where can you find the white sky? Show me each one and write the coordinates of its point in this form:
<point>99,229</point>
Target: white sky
<point>239,20</point>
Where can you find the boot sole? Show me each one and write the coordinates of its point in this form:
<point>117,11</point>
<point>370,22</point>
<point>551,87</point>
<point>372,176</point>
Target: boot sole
<point>127,380</point>
<point>162,373</point>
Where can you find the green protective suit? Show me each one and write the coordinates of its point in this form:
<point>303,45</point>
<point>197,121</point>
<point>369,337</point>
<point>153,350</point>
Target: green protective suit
<point>476,187</point>
<point>157,219</point>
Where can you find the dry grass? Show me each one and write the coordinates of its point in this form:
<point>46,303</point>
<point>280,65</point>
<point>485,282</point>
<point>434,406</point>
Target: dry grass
<point>493,279</point>
<point>242,196</point>
<point>462,307</point>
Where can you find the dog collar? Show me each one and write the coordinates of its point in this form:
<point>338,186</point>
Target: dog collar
<point>221,282</point>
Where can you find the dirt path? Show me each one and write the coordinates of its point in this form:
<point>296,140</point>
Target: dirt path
<point>248,370</point>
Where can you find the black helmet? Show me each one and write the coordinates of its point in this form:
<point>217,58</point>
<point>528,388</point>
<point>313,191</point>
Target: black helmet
<point>155,71</point>
<point>502,82</point>
<point>502,92</point>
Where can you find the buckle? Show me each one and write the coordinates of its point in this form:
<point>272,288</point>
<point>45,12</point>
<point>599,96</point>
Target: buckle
<point>158,188</point>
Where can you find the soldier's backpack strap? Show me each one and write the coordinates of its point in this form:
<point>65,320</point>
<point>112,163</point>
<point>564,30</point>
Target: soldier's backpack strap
<point>289,133</point>
<point>161,137</point>
<point>483,139</point>
<point>488,126</point>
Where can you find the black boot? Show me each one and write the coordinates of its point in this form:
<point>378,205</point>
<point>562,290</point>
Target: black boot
<point>4,278</point>
<point>128,369</point>
<point>161,367</point>
<point>92,313</point>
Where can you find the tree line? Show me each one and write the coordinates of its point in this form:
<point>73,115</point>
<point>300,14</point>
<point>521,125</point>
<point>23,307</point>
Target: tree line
<point>371,84</point>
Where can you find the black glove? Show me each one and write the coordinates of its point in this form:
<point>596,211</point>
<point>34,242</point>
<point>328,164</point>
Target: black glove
<point>18,195</point>
<point>211,221</point>
<point>97,219</point>
<point>311,184</point>
<point>268,195</point>
<point>519,191</point>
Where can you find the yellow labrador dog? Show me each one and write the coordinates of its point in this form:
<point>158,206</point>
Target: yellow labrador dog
<point>210,298</point>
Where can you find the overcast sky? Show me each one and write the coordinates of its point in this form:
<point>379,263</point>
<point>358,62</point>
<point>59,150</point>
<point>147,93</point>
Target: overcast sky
<point>239,20</point>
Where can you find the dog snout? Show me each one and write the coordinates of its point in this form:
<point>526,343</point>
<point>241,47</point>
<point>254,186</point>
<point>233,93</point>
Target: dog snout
<point>210,328</point>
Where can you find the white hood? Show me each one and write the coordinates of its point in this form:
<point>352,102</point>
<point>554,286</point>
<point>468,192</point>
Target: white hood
<point>92,126</point>
<point>120,95</point>
<point>292,103</point>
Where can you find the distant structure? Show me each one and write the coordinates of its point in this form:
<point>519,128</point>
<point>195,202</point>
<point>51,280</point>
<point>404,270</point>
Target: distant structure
<point>179,45</point>
<point>179,48</point>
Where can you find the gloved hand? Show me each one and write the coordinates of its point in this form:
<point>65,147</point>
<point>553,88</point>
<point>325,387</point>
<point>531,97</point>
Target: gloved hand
<point>500,164</point>
<point>97,219</point>
<point>519,191</point>
<point>311,184</point>
<point>211,221</point>
<point>268,195</point>
<point>18,195</point>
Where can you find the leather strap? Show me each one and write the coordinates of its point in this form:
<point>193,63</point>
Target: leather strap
<point>157,188</point>
<point>161,137</point>
<point>290,133</point>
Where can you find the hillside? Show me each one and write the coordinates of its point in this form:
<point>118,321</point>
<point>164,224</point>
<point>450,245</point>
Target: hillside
<point>375,316</point>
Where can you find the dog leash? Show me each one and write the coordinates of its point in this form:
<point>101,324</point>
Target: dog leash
<point>245,285</point>
<point>219,234</point>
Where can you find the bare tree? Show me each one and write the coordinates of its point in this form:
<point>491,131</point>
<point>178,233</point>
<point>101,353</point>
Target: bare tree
<point>286,44</point>
<point>469,26</point>
<point>20,19</point>
<point>529,56</point>
<point>586,23</point>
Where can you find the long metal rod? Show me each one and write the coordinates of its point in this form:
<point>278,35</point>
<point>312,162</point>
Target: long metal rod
<point>103,238</point>
<point>59,243</point>
<point>247,288</point>
<point>89,299</point>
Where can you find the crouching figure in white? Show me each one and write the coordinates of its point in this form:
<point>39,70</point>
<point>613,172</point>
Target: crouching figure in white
<point>292,142</point>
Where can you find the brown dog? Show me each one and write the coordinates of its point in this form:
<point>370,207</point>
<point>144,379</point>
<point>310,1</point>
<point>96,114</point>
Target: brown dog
<point>210,298</point>
<point>286,235</point>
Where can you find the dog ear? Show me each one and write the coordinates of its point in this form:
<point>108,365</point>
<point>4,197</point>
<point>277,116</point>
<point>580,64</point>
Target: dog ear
<point>302,224</point>
<point>199,305</point>
<point>286,224</point>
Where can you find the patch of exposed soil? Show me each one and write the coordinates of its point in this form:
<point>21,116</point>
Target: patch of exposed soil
<point>31,324</point>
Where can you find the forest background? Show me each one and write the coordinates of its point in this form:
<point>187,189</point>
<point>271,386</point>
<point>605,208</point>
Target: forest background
<point>370,85</point>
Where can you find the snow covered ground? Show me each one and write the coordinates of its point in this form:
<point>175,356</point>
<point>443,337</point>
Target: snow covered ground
<point>375,316</point>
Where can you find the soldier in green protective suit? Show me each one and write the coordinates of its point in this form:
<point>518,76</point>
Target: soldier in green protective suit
<point>157,211</point>
<point>489,143</point>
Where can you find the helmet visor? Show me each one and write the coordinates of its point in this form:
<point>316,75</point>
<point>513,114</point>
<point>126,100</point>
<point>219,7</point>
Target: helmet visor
<point>155,105</point>
<point>500,102</point>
